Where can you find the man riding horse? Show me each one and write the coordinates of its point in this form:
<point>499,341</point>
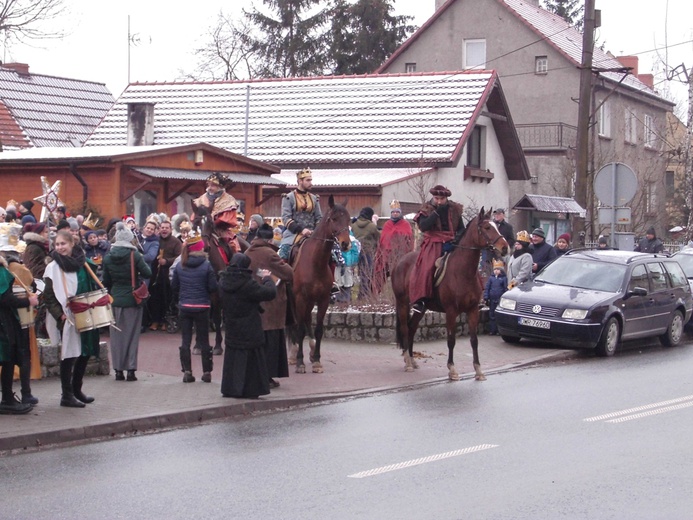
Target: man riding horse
<point>440,220</point>
<point>222,206</point>
<point>301,212</point>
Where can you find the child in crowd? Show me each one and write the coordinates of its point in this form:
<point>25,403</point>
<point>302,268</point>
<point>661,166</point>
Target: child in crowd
<point>495,287</point>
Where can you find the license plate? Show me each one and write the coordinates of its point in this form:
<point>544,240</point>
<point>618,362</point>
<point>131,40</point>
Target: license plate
<point>531,322</point>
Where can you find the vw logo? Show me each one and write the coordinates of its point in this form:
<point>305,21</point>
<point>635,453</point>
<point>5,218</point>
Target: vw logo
<point>536,309</point>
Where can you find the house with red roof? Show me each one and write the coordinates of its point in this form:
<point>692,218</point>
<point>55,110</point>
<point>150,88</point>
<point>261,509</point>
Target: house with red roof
<point>537,55</point>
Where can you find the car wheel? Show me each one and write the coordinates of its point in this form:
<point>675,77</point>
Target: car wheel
<point>510,339</point>
<point>609,340</point>
<point>672,337</point>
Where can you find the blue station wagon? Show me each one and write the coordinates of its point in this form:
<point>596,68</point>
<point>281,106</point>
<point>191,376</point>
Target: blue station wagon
<point>596,299</point>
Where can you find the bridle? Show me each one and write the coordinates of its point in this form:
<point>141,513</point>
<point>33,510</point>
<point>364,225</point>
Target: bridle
<point>490,243</point>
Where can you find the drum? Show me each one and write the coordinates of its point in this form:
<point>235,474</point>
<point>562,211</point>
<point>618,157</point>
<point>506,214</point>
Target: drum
<point>92,310</point>
<point>27,315</point>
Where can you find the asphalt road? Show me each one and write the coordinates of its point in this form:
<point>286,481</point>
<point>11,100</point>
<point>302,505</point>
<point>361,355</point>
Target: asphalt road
<point>589,438</point>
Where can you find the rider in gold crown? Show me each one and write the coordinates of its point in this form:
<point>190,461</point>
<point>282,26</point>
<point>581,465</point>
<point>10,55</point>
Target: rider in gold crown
<point>301,212</point>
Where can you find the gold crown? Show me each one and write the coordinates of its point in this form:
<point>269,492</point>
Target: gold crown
<point>394,205</point>
<point>305,172</point>
<point>498,264</point>
<point>523,236</point>
<point>89,223</point>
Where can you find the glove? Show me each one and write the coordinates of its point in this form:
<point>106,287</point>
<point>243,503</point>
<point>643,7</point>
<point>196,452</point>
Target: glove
<point>448,247</point>
<point>512,284</point>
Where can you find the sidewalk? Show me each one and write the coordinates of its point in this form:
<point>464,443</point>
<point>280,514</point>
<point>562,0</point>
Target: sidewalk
<point>161,400</point>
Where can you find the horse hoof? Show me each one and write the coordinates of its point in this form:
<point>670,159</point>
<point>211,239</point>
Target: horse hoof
<point>414,364</point>
<point>317,368</point>
<point>454,377</point>
<point>408,369</point>
<point>481,377</point>
<point>300,369</point>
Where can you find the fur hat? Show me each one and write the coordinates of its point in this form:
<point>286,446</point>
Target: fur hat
<point>538,232</point>
<point>523,236</point>
<point>123,233</point>
<point>440,191</point>
<point>9,236</point>
<point>265,232</point>
<point>153,218</point>
<point>181,223</point>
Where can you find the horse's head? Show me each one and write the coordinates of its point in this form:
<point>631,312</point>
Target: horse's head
<point>337,222</point>
<point>484,234</point>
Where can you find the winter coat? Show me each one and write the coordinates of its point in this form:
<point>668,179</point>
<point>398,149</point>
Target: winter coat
<point>519,268</point>
<point>650,246</point>
<point>194,282</point>
<point>101,249</point>
<point>34,256</point>
<point>543,254</point>
<point>263,255</point>
<point>367,233</point>
<point>495,287</point>
<point>150,248</point>
<point>117,277</point>
<point>241,295</point>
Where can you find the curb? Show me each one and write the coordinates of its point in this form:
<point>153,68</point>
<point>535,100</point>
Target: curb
<point>26,443</point>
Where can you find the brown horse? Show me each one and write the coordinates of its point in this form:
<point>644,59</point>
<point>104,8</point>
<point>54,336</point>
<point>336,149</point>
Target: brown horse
<point>313,280</point>
<point>460,291</point>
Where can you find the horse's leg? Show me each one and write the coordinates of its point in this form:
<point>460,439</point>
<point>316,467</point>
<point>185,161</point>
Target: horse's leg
<point>402,332</point>
<point>473,322</point>
<point>451,326</point>
<point>300,335</point>
<point>413,325</point>
<point>318,331</point>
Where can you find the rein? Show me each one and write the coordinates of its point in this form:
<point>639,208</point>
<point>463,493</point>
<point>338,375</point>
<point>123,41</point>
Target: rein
<point>489,244</point>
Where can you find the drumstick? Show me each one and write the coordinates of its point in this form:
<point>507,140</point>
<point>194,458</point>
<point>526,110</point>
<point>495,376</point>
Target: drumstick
<point>98,282</point>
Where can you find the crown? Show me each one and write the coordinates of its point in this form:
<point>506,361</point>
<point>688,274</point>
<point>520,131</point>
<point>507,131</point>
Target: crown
<point>523,236</point>
<point>395,205</point>
<point>305,172</point>
<point>498,264</point>
<point>90,223</point>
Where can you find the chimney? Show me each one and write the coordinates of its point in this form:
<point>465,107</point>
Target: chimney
<point>140,124</point>
<point>630,62</point>
<point>19,68</point>
<point>647,79</point>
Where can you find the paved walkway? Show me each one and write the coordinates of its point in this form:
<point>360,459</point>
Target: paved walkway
<point>161,400</point>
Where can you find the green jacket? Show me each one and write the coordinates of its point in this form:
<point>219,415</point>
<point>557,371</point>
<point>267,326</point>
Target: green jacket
<point>117,277</point>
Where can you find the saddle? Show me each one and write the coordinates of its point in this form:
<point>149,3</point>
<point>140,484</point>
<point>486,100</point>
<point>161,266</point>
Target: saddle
<point>295,250</point>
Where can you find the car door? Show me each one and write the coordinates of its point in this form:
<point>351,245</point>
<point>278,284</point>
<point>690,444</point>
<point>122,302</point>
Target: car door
<point>635,310</point>
<point>662,298</point>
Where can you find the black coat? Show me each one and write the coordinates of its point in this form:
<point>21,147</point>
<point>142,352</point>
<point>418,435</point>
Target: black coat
<point>241,296</point>
<point>543,254</point>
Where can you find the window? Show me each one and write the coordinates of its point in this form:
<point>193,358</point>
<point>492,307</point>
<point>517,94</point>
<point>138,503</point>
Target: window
<point>669,183</point>
<point>659,278</point>
<point>631,126</point>
<point>604,116</point>
<point>410,67</point>
<point>475,148</point>
<point>649,136</point>
<point>638,278</point>
<point>474,54</point>
<point>541,64</point>
<point>650,198</point>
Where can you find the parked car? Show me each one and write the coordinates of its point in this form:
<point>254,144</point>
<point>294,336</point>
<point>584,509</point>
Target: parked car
<point>685,258</point>
<point>596,299</point>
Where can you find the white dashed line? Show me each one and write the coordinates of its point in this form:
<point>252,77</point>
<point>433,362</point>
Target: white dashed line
<point>423,460</point>
<point>640,411</point>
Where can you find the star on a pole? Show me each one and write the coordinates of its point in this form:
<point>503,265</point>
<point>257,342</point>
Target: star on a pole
<point>49,199</point>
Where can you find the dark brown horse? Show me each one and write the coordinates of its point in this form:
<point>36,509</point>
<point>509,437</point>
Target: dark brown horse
<point>313,280</point>
<point>460,291</point>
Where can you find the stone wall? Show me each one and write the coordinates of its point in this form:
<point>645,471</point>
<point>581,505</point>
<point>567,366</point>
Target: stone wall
<point>379,327</point>
<point>50,360</point>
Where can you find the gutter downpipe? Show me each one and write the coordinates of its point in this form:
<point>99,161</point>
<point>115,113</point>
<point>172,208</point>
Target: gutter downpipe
<point>85,187</point>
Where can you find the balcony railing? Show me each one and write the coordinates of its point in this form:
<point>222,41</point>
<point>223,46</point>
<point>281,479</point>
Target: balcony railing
<point>547,136</point>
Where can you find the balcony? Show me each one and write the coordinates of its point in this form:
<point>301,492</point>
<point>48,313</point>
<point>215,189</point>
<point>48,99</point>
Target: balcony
<point>553,137</point>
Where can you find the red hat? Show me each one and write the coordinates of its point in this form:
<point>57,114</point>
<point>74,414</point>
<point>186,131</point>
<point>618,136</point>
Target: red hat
<point>564,236</point>
<point>195,244</point>
<point>440,191</point>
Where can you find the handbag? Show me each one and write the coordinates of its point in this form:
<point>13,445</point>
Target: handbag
<point>142,292</point>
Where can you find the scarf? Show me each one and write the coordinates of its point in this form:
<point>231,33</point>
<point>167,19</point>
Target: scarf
<point>519,252</point>
<point>70,264</point>
<point>304,202</point>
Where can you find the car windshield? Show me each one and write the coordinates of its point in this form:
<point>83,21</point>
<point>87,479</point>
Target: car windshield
<point>584,274</point>
<point>686,262</point>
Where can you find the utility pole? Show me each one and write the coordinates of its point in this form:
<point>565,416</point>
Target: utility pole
<point>688,156</point>
<point>582,152</point>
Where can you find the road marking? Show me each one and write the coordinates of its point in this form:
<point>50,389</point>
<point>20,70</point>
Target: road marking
<point>661,407</point>
<point>423,460</point>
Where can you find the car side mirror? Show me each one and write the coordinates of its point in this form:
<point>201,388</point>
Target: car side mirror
<point>636,291</point>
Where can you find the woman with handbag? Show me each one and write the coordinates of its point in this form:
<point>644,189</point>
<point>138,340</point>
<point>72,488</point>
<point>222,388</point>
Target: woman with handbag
<point>123,269</point>
<point>66,276</point>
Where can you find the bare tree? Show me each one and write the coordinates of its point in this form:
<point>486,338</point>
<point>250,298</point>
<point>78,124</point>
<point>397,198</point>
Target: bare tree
<point>225,54</point>
<point>23,20</point>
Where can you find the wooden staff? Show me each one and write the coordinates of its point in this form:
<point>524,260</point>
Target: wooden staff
<point>29,292</point>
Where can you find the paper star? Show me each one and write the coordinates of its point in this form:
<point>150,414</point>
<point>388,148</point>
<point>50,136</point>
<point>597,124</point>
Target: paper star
<point>49,199</point>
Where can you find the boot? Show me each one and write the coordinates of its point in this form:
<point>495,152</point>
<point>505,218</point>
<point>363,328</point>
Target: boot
<point>25,374</point>
<point>131,376</point>
<point>68,398</point>
<point>77,378</point>
<point>119,375</point>
<point>207,377</point>
<point>207,359</point>
<point>186,365</point>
